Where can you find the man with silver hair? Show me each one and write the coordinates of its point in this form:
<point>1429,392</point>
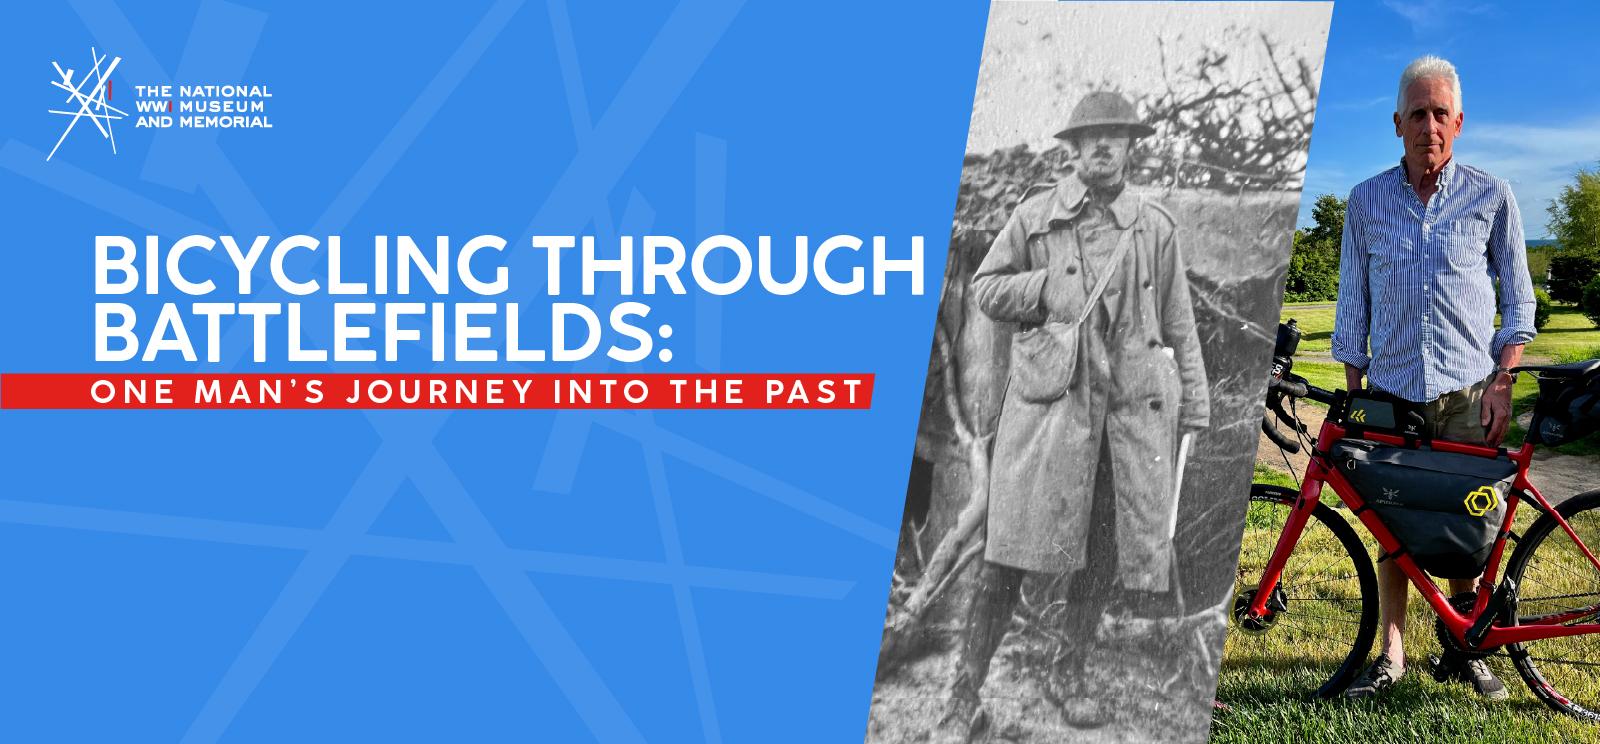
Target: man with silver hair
<point>1424,243</point>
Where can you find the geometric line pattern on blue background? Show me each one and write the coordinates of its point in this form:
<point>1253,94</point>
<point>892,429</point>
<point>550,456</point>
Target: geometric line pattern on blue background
<point>407,450</point>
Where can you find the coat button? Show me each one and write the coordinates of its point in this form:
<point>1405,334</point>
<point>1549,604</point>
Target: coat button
<point>1155,405</point>
<point>1072,269</point>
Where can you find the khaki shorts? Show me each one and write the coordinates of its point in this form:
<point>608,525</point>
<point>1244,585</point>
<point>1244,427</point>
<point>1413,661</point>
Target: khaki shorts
<point>1457,416</point>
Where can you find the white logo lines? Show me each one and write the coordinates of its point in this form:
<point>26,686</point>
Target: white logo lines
<point>92,104</point>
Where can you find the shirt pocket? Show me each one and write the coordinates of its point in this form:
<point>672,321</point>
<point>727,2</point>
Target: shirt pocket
<point>1466,245</point>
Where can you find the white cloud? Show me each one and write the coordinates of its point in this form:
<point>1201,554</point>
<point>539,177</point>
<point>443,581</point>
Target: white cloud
<point>1538,160</point>
<point>1431,17</point>
<point>1357,105</point>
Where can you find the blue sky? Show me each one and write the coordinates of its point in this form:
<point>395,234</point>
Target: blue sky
<point>1530,79</point>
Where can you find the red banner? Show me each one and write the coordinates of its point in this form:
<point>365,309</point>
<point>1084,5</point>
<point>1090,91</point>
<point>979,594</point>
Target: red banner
<point>436,391</point>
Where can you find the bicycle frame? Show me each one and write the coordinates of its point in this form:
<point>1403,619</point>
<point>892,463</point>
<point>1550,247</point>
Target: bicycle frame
<point>1320,472</point>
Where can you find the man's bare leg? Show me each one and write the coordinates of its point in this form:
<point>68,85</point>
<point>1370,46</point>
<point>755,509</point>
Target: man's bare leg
<point>1390,664</point>
<point>1394,592</point>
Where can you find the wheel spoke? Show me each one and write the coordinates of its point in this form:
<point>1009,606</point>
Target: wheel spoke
<point>1328,592</point>
<point>1558,581</point>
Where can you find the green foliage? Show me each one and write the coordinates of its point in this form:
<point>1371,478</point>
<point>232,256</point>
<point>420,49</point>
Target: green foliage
<point>1539,263</point>
<point>1328,212</point>
<point>1541,308</point>
<point>1314,257</point>
<point>1591,301</point>
<point>1313,271</point>
<point>1575,214</point>
<point>1575,224</point>
<point>1570,270</point>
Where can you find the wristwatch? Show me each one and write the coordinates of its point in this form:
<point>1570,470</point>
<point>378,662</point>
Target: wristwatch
<point>1498,370</point>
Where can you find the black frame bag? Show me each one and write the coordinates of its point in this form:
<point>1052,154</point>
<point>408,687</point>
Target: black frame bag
<point>1444,508</point>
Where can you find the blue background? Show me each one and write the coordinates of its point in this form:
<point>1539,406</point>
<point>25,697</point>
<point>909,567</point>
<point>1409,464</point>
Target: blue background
<point>610,576</point>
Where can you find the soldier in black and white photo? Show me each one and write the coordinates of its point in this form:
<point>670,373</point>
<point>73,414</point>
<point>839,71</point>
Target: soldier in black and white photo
<point>1086,444</point>
<point>1093,399</point>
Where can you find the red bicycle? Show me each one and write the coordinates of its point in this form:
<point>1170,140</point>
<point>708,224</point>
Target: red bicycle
<point>1322,598</point>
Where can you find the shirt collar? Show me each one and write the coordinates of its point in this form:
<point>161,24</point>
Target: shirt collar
<point>1071,195</point>
<point>1446,176</point>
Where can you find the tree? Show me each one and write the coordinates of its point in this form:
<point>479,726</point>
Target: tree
<point>1314,256</point>
<point>1328,212</point>
<point>1590,302</point>
<point>1575,224</point>
<point>1570,270</point>
<point>1575,214</point>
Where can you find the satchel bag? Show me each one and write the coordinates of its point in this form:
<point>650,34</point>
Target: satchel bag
<point>1044,359</point>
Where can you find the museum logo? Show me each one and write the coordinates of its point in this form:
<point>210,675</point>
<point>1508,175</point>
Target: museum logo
<point>173,105</point>
<point>94,103</point>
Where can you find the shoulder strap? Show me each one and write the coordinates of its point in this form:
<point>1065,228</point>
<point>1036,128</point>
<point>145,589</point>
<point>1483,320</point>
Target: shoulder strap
<point>1111,269</point>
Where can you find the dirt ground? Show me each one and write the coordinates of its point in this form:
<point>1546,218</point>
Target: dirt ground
<point>1133,673</point>
<point>1557,476</point>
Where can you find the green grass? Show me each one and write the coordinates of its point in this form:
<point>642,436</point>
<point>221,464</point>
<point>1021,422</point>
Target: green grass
<point>1273,476</point>
<point>1316,326</point>
<point>1266,680</point>
<point>1329,375</point>
<point>1568,336</point>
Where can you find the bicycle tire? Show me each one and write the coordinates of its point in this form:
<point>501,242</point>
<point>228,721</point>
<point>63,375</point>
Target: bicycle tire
<point>1346,585</point>
<point>1560,683</point>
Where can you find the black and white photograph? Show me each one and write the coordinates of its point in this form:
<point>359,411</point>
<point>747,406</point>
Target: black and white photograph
<point>1093,400</point>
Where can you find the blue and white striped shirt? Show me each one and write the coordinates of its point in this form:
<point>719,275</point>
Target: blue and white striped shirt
<point>1419,282</point>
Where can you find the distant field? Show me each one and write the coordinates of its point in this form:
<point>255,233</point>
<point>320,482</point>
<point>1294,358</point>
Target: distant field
<point>1568,334</point>
<point>1539,254</point>
<point>1316,325</point>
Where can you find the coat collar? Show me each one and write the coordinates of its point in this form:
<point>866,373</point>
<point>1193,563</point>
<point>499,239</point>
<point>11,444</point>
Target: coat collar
<point>1069,197</point>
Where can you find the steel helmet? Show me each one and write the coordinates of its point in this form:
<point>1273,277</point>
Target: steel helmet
<point>1103,108</point>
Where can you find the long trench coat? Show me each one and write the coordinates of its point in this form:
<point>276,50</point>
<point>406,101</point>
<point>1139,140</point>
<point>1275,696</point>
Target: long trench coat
<point>1139,378</point>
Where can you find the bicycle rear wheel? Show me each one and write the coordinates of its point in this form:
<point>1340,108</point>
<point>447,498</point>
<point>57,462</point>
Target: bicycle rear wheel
<point>1554,579</point>
<point>1325,608</point>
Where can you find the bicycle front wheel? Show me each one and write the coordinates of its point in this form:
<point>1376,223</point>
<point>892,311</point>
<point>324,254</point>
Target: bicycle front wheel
<point>1556,583</point>
<point>1323,615</point>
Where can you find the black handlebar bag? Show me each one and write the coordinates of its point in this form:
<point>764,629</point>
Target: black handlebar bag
<point>1444,508</point>
<point>1568,408</point>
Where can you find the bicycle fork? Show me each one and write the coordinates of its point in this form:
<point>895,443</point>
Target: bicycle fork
<point>1310,496</point>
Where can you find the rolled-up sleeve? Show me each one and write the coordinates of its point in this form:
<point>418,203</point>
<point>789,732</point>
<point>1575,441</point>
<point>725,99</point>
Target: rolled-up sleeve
<point>1006,287</point>
<point>1351,315</point>
<point>1508,259</point>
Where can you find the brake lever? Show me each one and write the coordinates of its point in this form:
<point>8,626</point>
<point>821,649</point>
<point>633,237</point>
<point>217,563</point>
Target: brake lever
<point>1275,404</point>
<point>1291,421</point>
<point>1288,445</point>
